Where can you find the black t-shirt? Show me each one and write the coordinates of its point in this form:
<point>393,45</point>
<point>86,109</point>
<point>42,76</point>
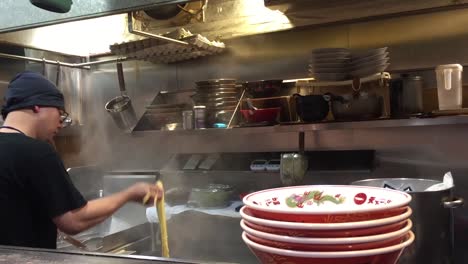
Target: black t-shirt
<point>34,188</point>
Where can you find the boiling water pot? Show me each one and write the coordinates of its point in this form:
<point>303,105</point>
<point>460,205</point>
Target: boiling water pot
<point>432,219</point>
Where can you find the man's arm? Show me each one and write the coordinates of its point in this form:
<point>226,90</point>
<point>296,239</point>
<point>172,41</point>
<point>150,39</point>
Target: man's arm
<point>96,211</point>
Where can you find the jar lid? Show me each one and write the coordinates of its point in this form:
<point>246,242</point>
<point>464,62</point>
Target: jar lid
<point>450,66</point>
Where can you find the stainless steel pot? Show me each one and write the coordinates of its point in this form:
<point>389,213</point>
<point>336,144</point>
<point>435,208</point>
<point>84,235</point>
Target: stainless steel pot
<point>213,196</point>
<point>120,108</point>
<point>356,107</point>
<point>432,219</point>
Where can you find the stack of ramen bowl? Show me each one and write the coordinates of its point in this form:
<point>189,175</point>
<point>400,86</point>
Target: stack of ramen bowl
<point>327,224</point>
<point>220,97</point>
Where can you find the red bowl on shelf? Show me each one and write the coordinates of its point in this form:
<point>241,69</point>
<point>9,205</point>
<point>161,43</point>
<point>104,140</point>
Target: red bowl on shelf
<point>384,255</point>
<point>367,231</point>
<point>261,114</point>
<point>326,203</point>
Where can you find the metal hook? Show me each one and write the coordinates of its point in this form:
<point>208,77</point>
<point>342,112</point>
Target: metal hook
<point>57,78</point>
<point>43,66</point>
<point>356,81</point>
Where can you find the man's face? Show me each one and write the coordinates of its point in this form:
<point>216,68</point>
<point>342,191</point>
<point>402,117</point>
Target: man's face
<point>51,120</point>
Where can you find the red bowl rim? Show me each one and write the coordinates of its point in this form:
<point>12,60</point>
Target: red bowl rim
<point>248,203</point>
<point>329,254</point>
<point>325,226</point>
<point>328,240</point>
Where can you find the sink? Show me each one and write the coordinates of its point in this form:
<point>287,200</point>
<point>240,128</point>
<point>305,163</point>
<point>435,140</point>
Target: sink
<point>129,241</point>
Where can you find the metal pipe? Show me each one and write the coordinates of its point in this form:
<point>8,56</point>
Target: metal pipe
<point>84,65</point>
<point>146,34</point>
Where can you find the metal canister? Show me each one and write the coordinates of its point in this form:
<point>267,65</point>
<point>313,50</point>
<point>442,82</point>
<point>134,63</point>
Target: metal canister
<point>200,116</point>
<point>412,101</point>
<point>187,119</point>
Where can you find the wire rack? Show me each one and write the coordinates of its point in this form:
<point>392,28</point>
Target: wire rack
<point>160,51</point>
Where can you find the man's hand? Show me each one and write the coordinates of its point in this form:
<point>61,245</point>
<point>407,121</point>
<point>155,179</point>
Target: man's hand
<point>141,190</point>
<point>96,211</point>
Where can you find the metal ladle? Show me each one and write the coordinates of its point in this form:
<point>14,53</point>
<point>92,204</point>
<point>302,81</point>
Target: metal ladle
<point>120,108</point>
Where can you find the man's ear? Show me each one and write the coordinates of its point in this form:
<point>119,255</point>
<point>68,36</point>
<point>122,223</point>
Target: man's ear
<point>36,109</point>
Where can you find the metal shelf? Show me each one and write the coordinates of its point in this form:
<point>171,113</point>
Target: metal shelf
<point>323,126</point>
<point>375,77</point>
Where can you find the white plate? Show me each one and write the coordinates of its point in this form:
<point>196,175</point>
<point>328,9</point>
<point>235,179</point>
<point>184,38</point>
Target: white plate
<point>356,61</point>
<point>329,254</point>
<point>342,64</point>
<point>329,60</point>
<point>328,240</point>
<point>364,72</point>
<point>325,226</point>
<point>369,53</point>
<point>373,63</point>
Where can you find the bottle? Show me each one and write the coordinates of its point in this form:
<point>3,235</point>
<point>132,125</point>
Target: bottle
<point>187,119</point>
<point>200,116</point>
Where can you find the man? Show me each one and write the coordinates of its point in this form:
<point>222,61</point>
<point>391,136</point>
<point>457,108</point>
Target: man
<point>36,193</point>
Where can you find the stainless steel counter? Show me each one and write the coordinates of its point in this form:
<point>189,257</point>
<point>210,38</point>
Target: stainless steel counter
<point>14,255</point>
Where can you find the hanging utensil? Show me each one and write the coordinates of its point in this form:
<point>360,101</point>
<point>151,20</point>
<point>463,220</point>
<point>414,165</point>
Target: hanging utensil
<point>67,121</point>
<point>120,108</point>
<point>235,109</point>
<point>294,165</point>
<point>44,70</point>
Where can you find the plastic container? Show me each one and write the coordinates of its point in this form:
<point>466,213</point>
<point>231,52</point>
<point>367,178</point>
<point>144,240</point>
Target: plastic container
<point>449,86</point>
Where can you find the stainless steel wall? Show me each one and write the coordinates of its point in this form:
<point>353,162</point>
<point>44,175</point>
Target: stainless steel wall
<point>422,41</point>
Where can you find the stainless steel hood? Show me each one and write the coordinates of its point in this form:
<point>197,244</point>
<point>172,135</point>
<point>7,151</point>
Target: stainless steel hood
<point>18,15</point>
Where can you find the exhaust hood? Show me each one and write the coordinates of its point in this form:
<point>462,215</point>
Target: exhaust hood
<point>18,15</point>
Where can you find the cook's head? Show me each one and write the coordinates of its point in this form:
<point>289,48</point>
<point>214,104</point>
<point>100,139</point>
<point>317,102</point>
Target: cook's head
<point>32,91</point>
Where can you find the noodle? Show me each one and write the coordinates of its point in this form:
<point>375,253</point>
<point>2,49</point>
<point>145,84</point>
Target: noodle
<point>159,206</point>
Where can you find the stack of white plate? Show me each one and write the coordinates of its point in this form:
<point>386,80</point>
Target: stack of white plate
<point>338,64</point>
<point>369,62</point>
<point>329,64</point>
<point>220,96</point>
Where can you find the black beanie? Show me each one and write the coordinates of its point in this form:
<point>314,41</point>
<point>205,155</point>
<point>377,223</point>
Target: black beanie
<point>28,89</point>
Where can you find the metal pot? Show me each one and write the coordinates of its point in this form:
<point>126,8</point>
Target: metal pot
<point>312,108</point>
<point>356,107</point>
<point>213,196</point>
<point>432,219</point>
<point>120,108</point>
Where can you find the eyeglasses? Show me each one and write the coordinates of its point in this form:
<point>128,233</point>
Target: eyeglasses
<point>65,119</point>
